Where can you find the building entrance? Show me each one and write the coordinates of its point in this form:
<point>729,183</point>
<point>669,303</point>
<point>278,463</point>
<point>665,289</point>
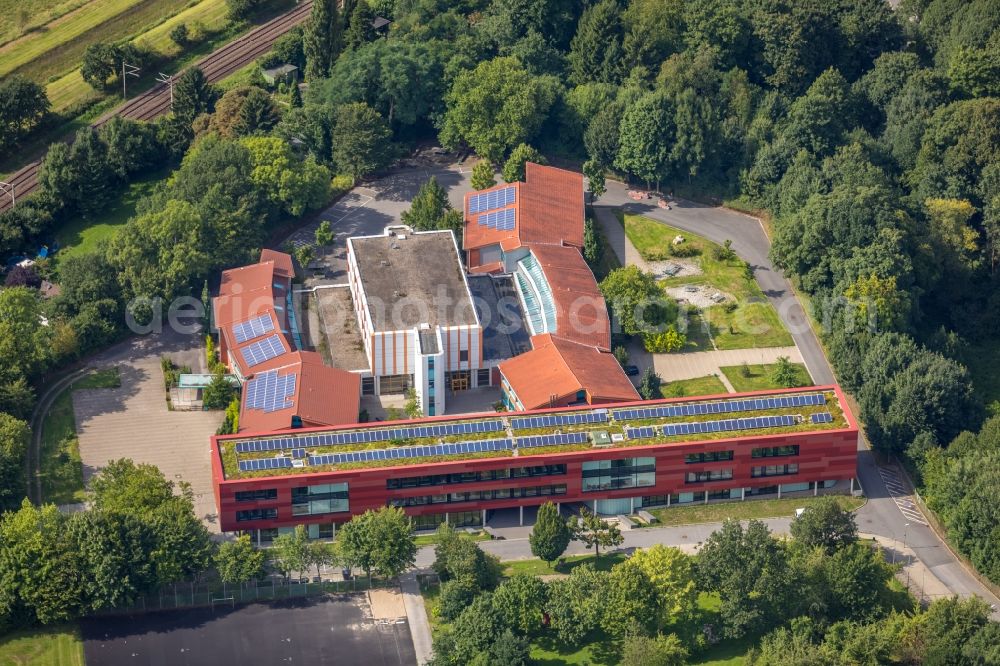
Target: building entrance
<point>459,380</point>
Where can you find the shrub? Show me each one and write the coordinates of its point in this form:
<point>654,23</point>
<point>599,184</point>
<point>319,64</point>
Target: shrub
<point>341,184</point>
<point>684,250</point>
<point>664,343</point>
<point>180,35</point>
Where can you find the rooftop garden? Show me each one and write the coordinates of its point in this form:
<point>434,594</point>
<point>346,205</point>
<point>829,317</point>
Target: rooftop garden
<point>230,458</point>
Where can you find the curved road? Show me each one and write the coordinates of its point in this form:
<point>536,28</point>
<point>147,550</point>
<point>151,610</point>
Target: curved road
<point>882,515</point>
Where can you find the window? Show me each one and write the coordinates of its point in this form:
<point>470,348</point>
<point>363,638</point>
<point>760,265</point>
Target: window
<point>463,356</point>
<point>256,514</point>
<point>319,499</point>
<point>479,495</point>
<point>465,519</point>
<point>430,364</point>
<point>390,384</point>
<point>708,475</point>
<point>257,495</point>
<point>707,457</point>
<point>654,500</point>
<point>775,470</point>
<point>615,474</point>
<point>775,451</point>
<point>367,386</point>
<point>483,377</point>
<point>428,522</point>
<point>320,531</point>
<point>474,477</point>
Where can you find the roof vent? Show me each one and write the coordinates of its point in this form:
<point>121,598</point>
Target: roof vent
<point>384,262</point>
<point>401,237</point>
<point>395,246</point>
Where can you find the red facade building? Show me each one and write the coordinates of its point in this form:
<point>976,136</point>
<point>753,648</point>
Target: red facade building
<point>621,461</point>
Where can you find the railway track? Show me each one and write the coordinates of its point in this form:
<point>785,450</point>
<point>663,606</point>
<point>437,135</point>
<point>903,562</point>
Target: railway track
<point>156,101</point>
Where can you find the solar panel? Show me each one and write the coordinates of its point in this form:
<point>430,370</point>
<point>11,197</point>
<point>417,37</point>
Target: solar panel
<point>269,392</point>
<point>822,417</point>
<point>264,350</point>
<point>552,440</point>
<point>548,421</point>
<point>253,328</point>
<point>640,433</point>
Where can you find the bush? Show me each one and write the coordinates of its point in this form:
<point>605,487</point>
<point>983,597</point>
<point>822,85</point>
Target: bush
<point>684,250</point>
<point>664,343</point>
<point>455,596</point>
<point>341,184</point>
<point>180,35</point>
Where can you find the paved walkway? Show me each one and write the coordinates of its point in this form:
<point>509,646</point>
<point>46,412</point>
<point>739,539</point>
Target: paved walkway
<point>672,367</point>
<point>133,421</point>
<point>416,614</point>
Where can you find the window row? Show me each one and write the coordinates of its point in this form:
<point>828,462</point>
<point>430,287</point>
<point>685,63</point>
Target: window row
<point>775,470</point>
<point>775,451</point>
<point>712,456</point>
<point>257,495</point>
<point>320,499</point>
<point>480,495</point>
<point>616,474</point>
<point>708,475</point>
<point>256,514</point>
<point>474,477</point>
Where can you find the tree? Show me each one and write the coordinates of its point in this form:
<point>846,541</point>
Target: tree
<point>595,178</point>
<point>595,532</point>
<point>290,551</point>
<point>630,602</point>
<point>238,561</point>
<point>294,183</point>
<point>664,342</point>
<point>660,650</point>
<point>783,373</point>
<point>257,114</point>
<point>550,535</point>
<point>749,570</point>
<point>649,384</point>
<point>825,524</point>
<point>219,392</point>
<point>670,572</point>
<point>180,35</point>
<point>193,95</point>
<point>458,556</point>
<point>324,234</point>
<point>495,107</point>
<point>361,140</point>
<point>520,601</point>
<point>576,604</point>
<point>635,300</point>
<point>23,343</point>
<point>646,136</point>
<point>23,276</point>
<point>116,557</point>
<point>23,107</point>
<point>360,31</point>
<point>102,62</point>
<point>320,554</point>
<point>378,541</point>
<point>14,434</point>
<point>132,146</point>
<point>596,52</point>
<point>295,97</point>
<point>513,168</point>
<point>428,208</point>
<point>455,596</point>
<point>482,175</point>
<point>322,39</point>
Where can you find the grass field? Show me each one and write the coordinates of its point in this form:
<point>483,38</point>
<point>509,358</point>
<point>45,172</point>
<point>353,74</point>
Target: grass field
<point>16,19</point>
<point>709,385</point>
<point>55,646</point>
<point>61,470</point>
<point>760,377</point>
<point>764,508</point>
<point>82,235</point>
<point>541,568</point>
<point>432,538</point>
<point>59,48</point>
<point>754,323</point>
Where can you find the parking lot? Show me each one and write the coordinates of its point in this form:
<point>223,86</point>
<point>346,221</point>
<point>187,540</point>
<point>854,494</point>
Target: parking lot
<point>333,629</point>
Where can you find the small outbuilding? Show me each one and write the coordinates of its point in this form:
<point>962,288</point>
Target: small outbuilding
<point>281,74</point>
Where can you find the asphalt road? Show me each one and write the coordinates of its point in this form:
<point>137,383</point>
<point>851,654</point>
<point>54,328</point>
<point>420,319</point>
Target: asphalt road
<point>881,515</point>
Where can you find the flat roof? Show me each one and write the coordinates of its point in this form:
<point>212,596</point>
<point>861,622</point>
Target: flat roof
<point>505,332</point>
<point>502,435</point>
<point>413,278</point>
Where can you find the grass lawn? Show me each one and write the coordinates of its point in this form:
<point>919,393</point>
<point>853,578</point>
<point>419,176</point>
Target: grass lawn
<point>709,385</point>
<point>58,49</point>
<point>754,322</point>
<point>760,377</point>
<point>541,568</point>
<point>16,20</point>
<point>61,469</point>
<point>432,538</point>
<point>764,508</point>
<point>82,235</point>
<point>54,646</point>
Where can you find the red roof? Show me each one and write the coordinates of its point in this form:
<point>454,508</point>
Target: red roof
<point>581,313</point>
<point>557,368</point>
<point>549,209</point>
<point>323,396</point>
<point>282,262</point>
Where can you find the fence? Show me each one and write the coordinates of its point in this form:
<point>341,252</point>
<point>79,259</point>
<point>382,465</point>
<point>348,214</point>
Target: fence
<point>188,595</point>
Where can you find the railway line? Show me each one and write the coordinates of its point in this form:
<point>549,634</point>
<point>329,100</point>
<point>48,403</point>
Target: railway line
<point>156,101</point>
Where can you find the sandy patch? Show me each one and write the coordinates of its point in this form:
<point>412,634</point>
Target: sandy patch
<point>674,268</point>
<point>699,295</point>
<point>386,604</point>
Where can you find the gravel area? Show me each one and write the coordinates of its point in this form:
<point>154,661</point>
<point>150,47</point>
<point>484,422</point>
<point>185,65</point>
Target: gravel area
<point>699,295</point>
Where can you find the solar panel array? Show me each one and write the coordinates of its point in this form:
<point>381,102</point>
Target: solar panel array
<point>552,440</point>
<point>368,436</point>
<point>479,203</point>
<point>697,409</point>
<point>265,350</point>
<point>501,220</point>
<point>596,416</point>
<point>254,328</point>
<point>269,392</point>
<point>644,432</point>
<point>264,463</point>
<point>704,427</point>
<point>404,452</point>
<point>822,417</point>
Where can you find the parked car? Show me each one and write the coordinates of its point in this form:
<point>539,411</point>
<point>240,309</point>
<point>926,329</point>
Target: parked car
<point>632,370</point>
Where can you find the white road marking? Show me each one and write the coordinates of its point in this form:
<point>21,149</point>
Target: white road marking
<point>899,495</point>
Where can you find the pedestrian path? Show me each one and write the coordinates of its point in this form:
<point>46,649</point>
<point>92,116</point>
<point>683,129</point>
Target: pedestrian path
<point>900,495</point>
<point>672,367</point>
<point>416,614</point>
